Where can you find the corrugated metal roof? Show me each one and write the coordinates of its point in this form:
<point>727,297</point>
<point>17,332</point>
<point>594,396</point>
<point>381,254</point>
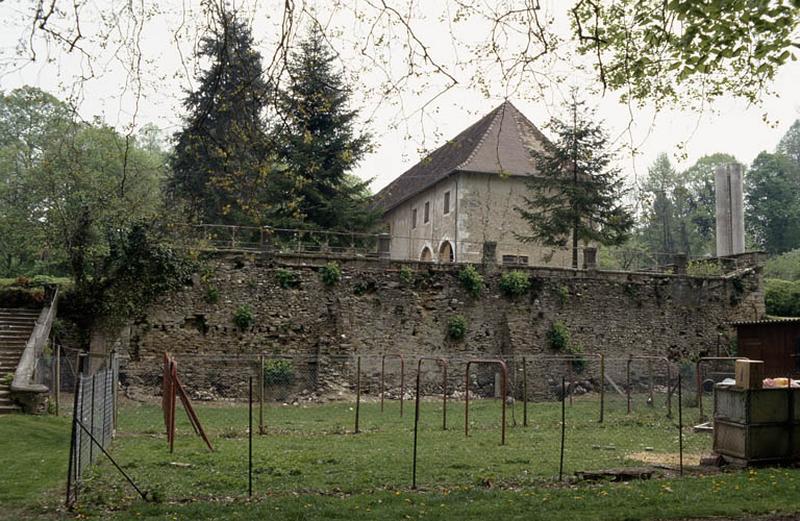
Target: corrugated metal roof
<point>774,320</point>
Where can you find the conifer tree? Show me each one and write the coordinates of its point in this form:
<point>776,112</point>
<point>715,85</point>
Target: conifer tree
<point>321,143</point>
<point>575,195</point>
<point>221,167</point>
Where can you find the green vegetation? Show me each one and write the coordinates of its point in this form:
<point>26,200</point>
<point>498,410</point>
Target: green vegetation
<point>212,295</point>
<point>785,266</point>
<point>331,273</point>
<point>578,187</point>
<point>407,276</point>
<point>471,280</point>
<point>782,297</point>
<point>457,327</point>
<point>287,279</point>
<point>514,283</point>
<point>701,268</point>
<point>278,372</point>
<point>243,317</point>
<point>558,336</point>
<point>34,464</point>
<point>309,466</point>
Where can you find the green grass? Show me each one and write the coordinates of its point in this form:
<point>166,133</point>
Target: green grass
<point>33,461</point>
<point>311,466</point>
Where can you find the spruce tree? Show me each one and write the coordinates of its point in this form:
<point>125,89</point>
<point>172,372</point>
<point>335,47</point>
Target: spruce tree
<point>575,194</point>
<point>221,166</point>
<point>320,142</point>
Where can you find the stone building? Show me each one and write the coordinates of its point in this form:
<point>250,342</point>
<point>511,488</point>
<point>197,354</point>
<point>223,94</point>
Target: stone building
<point>464,194</point>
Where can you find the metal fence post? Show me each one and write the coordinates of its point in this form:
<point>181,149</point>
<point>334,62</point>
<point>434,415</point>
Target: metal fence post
<point>563,427</point>
<point>358,390</point>
<point>524,392</point>
<point>261,385</point>
<point>58,379</point>
<point>602,386</point>
<point>628,381</point>
<point>680,424</point>
<point>250,440</point>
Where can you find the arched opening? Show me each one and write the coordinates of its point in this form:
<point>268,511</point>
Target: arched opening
<point>427,255</point>
<point>446,253</point>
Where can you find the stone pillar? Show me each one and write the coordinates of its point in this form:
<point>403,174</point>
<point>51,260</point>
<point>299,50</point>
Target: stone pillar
<point>590,258</point>
<point>384,246</point>
<point>729,209</point>
<point>489,255</point>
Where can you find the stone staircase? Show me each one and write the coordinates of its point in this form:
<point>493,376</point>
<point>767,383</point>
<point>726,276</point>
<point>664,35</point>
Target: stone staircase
<point>16,326</point>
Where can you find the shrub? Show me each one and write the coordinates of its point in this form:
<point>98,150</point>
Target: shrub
<point>702,268</point>
<point>23,281</point>
<point>782,297</point>
<point>243,317</point>
<point>331,273</point>
<point>287,279</point>
<point>278,372</point>
<point>514,283</point>
<point>558,337</point>
<point>785,266</point>
<point>457,327</point>
<point>471,280</point>
<point>212,295</point>
<point>579,362</point>
<point>563,294</point>
<point>407,276</point>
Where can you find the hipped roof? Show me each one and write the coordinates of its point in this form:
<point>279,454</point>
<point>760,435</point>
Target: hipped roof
<point>498,143</point>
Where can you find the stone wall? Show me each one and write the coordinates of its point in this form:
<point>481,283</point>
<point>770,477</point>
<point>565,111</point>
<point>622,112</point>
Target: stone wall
<point>388,307</point>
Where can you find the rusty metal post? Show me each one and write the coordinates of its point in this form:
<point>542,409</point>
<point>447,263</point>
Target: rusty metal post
<point>261,385</point>
<point>628,381</point>
<point>250,438</point>
<point>416,428</point>
<point>524,392</point>
<point>383,365</point>
<point>563,427</point>
<point>504,391</point>
<point>58,379</point>
<point>444,394</point>
<point>680,424</point>
<point>650,374</point>
<point>602,386</point>
<point>699,383</point>
<point>669,392</point>
<point>358,390</point>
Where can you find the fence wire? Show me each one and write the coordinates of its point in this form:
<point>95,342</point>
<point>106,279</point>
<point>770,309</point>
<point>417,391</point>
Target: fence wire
<point>94,417</point>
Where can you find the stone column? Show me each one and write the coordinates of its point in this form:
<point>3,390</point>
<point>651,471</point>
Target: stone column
<point>729,209</point>
<point>681,263</point>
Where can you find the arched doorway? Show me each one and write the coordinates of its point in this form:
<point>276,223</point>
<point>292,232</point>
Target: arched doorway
<point>427,255</point>
<point>446,253</point>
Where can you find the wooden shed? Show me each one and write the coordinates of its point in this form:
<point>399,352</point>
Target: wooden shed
<point>775,341</point>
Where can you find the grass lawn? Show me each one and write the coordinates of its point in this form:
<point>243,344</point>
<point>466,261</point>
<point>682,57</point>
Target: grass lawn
<point>311,466</point>
<point>33,463</point>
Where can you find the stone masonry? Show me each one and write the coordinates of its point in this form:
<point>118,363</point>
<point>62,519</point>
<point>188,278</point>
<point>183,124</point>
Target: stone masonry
<point>392,307</point>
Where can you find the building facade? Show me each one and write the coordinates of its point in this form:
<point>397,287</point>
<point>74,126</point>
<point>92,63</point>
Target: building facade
<point>464,194</point>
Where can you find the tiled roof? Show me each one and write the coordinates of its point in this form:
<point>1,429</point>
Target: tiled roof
<point>499,142</point>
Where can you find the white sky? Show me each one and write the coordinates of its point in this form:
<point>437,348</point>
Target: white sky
<point>401,131</point>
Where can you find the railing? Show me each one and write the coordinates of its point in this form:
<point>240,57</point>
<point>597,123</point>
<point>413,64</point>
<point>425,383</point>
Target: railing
<point>24,386</point>
<point>266,239</point>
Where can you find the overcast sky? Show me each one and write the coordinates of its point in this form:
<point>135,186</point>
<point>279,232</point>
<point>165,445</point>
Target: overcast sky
<point>402,130</point>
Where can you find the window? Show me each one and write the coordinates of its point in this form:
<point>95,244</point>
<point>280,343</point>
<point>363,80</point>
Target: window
<point>446,202</point>
<point>413,218</point>
<point>515,260</point>
<point>427,212</point>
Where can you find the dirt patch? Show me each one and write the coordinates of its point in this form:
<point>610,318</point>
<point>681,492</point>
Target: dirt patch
<point>669,459</point>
